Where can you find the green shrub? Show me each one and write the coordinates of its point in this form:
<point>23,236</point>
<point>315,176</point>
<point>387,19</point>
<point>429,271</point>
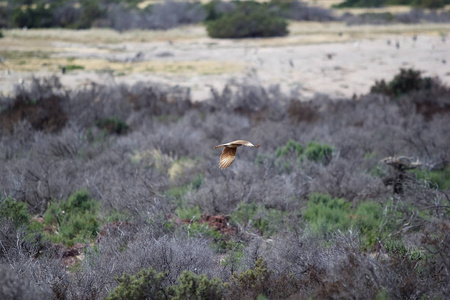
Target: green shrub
<point>291,147</point>
<point>247,20</point>
<point>220,242</point>
<point>254,281</point>
<point>113,125</point>
<point>398,248</point>
<point>147,284</point>
<point>267,221</point>
<point>76,218</point>
<point>368,219</point>
<point>438,178</point>
<point>325,214</point>
<point>14,210</point>
<point>406,81</point>
<point>196,287</point>
<point>1,34</point>
<point>319,152</point>
<point>188,213</point>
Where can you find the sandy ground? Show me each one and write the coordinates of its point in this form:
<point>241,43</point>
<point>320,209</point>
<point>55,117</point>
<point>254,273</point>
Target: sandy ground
<point>331,58</point>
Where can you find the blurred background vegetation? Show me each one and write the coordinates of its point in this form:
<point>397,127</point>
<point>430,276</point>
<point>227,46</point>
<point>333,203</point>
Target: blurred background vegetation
<point>224,19</point>
<point>121,197</point>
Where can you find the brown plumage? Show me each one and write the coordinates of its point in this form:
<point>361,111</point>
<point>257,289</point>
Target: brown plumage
<point>229,152</point>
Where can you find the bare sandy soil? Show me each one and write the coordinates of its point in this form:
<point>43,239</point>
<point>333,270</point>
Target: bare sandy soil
<point>327,58</point>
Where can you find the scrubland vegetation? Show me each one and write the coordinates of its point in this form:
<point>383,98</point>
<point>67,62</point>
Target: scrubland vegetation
<point>114,191</point>
<point>223,19</point>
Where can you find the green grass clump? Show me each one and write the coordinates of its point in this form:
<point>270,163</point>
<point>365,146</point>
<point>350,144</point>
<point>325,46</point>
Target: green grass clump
<point>74,67</point>
<point>267,221</point>
<point>189,213</point>
<point>177,192</point>
<point>325,214</point>
<point>439,179</point>
<point>76,219</point>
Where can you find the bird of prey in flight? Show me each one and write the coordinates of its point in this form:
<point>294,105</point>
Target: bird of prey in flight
<point>229,152</point>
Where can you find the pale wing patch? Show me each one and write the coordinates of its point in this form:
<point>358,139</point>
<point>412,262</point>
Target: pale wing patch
<point>241,142</point>
<point>227,157</point>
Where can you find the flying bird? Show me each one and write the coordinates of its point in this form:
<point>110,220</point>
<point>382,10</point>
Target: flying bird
<point>229,152</point>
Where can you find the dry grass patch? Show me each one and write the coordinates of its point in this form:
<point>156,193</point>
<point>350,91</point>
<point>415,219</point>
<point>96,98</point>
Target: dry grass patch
<point>102,36</point>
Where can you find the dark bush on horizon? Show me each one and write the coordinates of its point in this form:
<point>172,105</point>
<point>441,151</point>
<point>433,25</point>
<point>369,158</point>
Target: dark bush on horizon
<point>408,80</point>
<point>248,20</point>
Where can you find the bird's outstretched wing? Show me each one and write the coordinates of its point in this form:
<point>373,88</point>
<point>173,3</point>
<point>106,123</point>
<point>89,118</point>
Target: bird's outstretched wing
<point>227,157</point>
<point>243,143</point>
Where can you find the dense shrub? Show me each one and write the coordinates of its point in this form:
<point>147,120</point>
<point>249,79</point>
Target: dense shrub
<point>192,286</point>
<point>38,17</point>
<point>15,211</point>
<point>147,284</point>
<point>439,178</point>
<point>406,81</point>
<point>319,152</point>
<point>250,20</point>
<point>265,220</point>
<point>75,219</point>
<point>325,214</point>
